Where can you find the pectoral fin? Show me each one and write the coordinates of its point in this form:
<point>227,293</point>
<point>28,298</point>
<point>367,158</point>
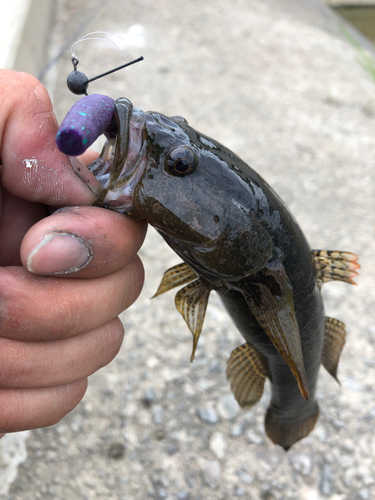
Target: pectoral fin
<point>335,265</point>
<point>175,276</point>
<point>271,303</point>
<point>334,341</point>
<point>246,373</point>
<point>191,302</point>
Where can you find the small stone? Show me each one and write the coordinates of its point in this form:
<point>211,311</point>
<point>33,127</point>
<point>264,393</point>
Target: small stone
<point>77,423</point>
<point>190,479</point>
<point>368,479</point>
<point>208,414</point>
<point>364,494</point>
<point>216,366</point>
<point>211,472</point>
<point>338,424</point>
<point>218,444</point>
<point>183,495</point>
<point>320,433</point>
<point>172,448</point>
<point>244,476</point>
<point>236,430</point>
<point>158,479</point>
<point>159,434</point>
<point>253,438</point>
<point>267,495</point>
<point>326,481</point>
<point>228,407</point>
<point>116,451</point>
<point>310,494</point>
<point>348,477</point>
<point>205,384</point>
<point>239,492</point>
<point>348,447</point>
<point>148,397</point>
<point>301,463</point>
<point>161,493</point>
<point>157,411</point>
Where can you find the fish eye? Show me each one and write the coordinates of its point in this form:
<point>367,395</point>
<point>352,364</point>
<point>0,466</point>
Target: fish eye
<point>181,161</point>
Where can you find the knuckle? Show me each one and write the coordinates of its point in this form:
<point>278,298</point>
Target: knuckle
<point>12,411</point>
<point>109,341</point>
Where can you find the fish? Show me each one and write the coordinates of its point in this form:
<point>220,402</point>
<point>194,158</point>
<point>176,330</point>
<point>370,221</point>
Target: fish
<point>235,236</point>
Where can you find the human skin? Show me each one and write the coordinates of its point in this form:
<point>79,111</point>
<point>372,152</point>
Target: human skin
<point>65,275</point>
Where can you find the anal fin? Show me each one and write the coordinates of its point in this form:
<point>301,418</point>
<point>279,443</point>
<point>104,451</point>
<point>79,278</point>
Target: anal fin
<point>191,302</point>
<point>334,341</point>
<point>334,265</point>
<point>246,373</point>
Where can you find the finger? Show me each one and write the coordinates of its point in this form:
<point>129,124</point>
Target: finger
<point>82,242</point>
<point>60,362</point>
<point>88,157</point>
<point>17,216</point>
<point>35,308</point>
<point>22,409</point>
<point>33,167</point>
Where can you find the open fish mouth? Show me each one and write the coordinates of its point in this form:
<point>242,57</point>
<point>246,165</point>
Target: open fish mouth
<point>121,164</point>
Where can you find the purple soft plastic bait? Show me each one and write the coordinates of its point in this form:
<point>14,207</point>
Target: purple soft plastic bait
<point>84,123</point>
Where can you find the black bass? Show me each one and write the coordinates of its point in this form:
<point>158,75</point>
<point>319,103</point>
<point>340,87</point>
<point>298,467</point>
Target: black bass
<point>237,237</point>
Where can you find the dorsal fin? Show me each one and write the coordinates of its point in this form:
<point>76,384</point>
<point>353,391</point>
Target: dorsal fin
<point>246,372</point>
<point>334,341</point>
<point>191,302</point>
<point>175,276</point>
<point>334,265</point>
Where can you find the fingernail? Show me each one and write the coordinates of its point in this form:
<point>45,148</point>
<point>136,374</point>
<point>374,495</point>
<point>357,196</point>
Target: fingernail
<point>59,253</point>
<point>81,171</point>
<point>2,434</point>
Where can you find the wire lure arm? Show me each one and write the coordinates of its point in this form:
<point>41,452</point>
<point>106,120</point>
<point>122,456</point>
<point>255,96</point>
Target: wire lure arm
<point>78,82</point>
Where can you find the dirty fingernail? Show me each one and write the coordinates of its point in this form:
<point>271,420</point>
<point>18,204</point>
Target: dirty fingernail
<point>59,253</point>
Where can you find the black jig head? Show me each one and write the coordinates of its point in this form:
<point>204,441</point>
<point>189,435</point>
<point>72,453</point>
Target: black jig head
<point>78,82</point>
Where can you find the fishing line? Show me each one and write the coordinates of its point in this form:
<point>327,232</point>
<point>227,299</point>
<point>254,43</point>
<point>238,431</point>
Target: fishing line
<point>77,81</point>
<point>95,11</point>
<point>89,37</point>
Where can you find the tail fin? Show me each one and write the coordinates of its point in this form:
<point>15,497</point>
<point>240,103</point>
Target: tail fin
<point>285,432</point>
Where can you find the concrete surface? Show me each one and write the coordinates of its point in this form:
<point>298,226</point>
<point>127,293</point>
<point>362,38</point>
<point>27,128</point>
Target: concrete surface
<point>277,83</point>
<point>356,3</point>
<point>24,34</point>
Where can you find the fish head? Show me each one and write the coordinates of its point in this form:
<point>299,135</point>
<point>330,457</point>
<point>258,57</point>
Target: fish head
<point>187,187</point>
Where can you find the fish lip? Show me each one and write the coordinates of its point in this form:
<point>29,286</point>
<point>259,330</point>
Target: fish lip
<point>119,195</point>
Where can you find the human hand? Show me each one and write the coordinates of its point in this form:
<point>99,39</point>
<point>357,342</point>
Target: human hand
<point>65,277</point>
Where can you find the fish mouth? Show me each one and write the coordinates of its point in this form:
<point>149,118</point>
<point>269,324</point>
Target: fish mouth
<point>119,171</point>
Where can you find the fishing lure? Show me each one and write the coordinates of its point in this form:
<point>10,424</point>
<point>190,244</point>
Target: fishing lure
<point>235,236</point>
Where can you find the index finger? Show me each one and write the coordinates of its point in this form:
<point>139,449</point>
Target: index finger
<point>33,167</point>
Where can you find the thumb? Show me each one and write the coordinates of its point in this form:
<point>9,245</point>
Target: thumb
<point>33,167</point>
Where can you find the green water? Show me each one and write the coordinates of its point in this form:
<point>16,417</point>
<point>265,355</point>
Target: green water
<point>362,18</point>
